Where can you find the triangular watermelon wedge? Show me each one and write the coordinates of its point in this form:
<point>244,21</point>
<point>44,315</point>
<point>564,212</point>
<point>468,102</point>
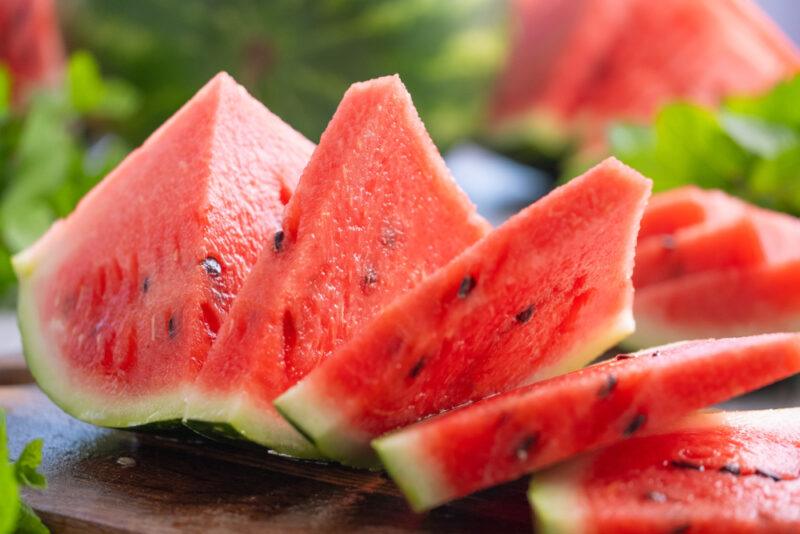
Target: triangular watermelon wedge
<point>544,293</point>
<point>120,302</point>
<point>504,437</point>
<point>375,212</point>
<point>711,472</point>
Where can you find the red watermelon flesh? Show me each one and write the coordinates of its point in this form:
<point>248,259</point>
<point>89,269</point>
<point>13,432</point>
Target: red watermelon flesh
<point>712,472</point>
<point>30,44</point>
<point>375,212</point>
<point>746,237</point>
<point>624,59</point>
<point>684,207</point>
<point>735,302</point>
<point>504,437</point>
<point>544,293</point>
<point>120,302</point>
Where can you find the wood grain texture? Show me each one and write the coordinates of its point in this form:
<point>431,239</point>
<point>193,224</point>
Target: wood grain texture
<point>104,480</point>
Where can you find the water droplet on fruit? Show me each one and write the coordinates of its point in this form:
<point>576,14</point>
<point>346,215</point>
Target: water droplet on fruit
<point>212,266</point>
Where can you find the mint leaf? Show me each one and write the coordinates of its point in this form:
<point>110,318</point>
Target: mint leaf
<point>5,91</point>
<point>27,464</point>
<point>756,135</point>
<point>777,106</point>
<point>28,522</point>
<point>86,88</point>
<point>9,492</point>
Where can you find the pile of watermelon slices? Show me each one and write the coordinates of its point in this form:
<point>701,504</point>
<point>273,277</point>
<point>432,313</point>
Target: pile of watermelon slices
<point>345,301</point>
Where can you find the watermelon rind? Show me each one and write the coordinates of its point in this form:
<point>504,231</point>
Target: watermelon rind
<point>236,417</point>
<point>411,471</point>
<point>307,409</point>
<point>44,359</point>
<point>555,501</point>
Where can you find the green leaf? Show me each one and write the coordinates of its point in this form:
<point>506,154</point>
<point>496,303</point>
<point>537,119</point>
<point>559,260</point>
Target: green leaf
<point>86,88</point>
<point>29,522</point>
<point>9,492</point>
<point>24,221</point>
<point>774,181</point>
<point>5,91</point>
<point>778,106</point>
<point>758,136</point>
<point>27,464</point>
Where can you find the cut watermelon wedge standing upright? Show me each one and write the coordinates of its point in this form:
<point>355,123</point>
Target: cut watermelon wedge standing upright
<point>544,293</point>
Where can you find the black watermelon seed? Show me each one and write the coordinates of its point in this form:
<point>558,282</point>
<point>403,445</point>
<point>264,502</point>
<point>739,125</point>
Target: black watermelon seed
<point>466,287</point>
<point>731,468</point>
<point>279,237</point>
<point>683,464</point>
<point>636,423</point>
<point>656,496</point>
<point>370,277</point>
<point>525,315</point>
<point>172,327</point>
<point>668,242</point>
<point>417,369</point>
<point>212,266</point>
<point>656,353</point>
<point>768,474</point>
<point>609,386</point>
<point>524,448</point>
<point>624,357</point>
<point>146,284</point>
<point>682,529</point>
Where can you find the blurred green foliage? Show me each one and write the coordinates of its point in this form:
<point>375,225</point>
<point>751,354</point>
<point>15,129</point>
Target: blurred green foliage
<point>750,147</point>
<point>298,56</point>
<point>53,151</point>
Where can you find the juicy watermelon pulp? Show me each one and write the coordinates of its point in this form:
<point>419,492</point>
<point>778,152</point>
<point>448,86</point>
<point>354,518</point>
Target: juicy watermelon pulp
<point>365,226</point>
<point>710,265</point>
<point>504,437</point>
<point>544,293</point>
<point>712,472</point>
<point>120,302</point>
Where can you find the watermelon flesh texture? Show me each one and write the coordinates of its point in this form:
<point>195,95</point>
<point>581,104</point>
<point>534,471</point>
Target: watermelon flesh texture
<point>544,293</point>
<point>711,472</point>
<point>120,302</point>
<point>614,59</point>
<point>736,302</point>
<point>375,212</point>
<point>504,437</point>
<point>30,45</point>
<point>683,207</point>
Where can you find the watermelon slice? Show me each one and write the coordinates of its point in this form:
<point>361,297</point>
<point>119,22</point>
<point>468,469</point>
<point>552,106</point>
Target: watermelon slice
<point>615,59</point>
<point>736,302</point>
<point>712,472</point>
<point>365,225</point>
<point>684,207</point>
<point>119,303</point>
<point>503,437</point>
<point>30,45</point>
<point>543,294</point>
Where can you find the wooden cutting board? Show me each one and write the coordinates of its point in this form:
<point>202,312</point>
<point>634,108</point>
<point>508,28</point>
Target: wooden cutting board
<point>104,480</point>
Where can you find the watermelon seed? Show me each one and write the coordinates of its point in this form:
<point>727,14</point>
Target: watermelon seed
<point>668,242</point>
<point>683,529</point>
<point>683,464</point>
<point>279,237</point>
<point>146,284</point>
<point>624,357</point>
<point>656,496</point>
<point>525,446</point>
<point>635,424</point>
<point>609,387</point>
<point>212,266</point>
<point>768,474</point>
<point>417,369</point>
<point>732,468</point>
<point>172,327</point>
<point>370,278</point>
<point>525,315</point>
<point>466,287</point>
<point>656,353</point>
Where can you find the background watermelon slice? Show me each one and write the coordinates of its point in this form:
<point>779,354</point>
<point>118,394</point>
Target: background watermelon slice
<point>544,293</point>
<point>613,59</point>
<point>503,437</point>
<point>119,303</point>
<point>30,45</point>
<point>713,472</point>
<point>375,212</point>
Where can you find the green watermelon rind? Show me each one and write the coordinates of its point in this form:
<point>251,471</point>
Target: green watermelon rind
<point>235,417</point>
<point>54,379</point>
<point>554,499</point>
<point>308,410</point>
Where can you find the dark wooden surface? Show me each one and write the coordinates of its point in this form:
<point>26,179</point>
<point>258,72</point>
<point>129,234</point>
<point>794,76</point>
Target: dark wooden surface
<point>113,481</point>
